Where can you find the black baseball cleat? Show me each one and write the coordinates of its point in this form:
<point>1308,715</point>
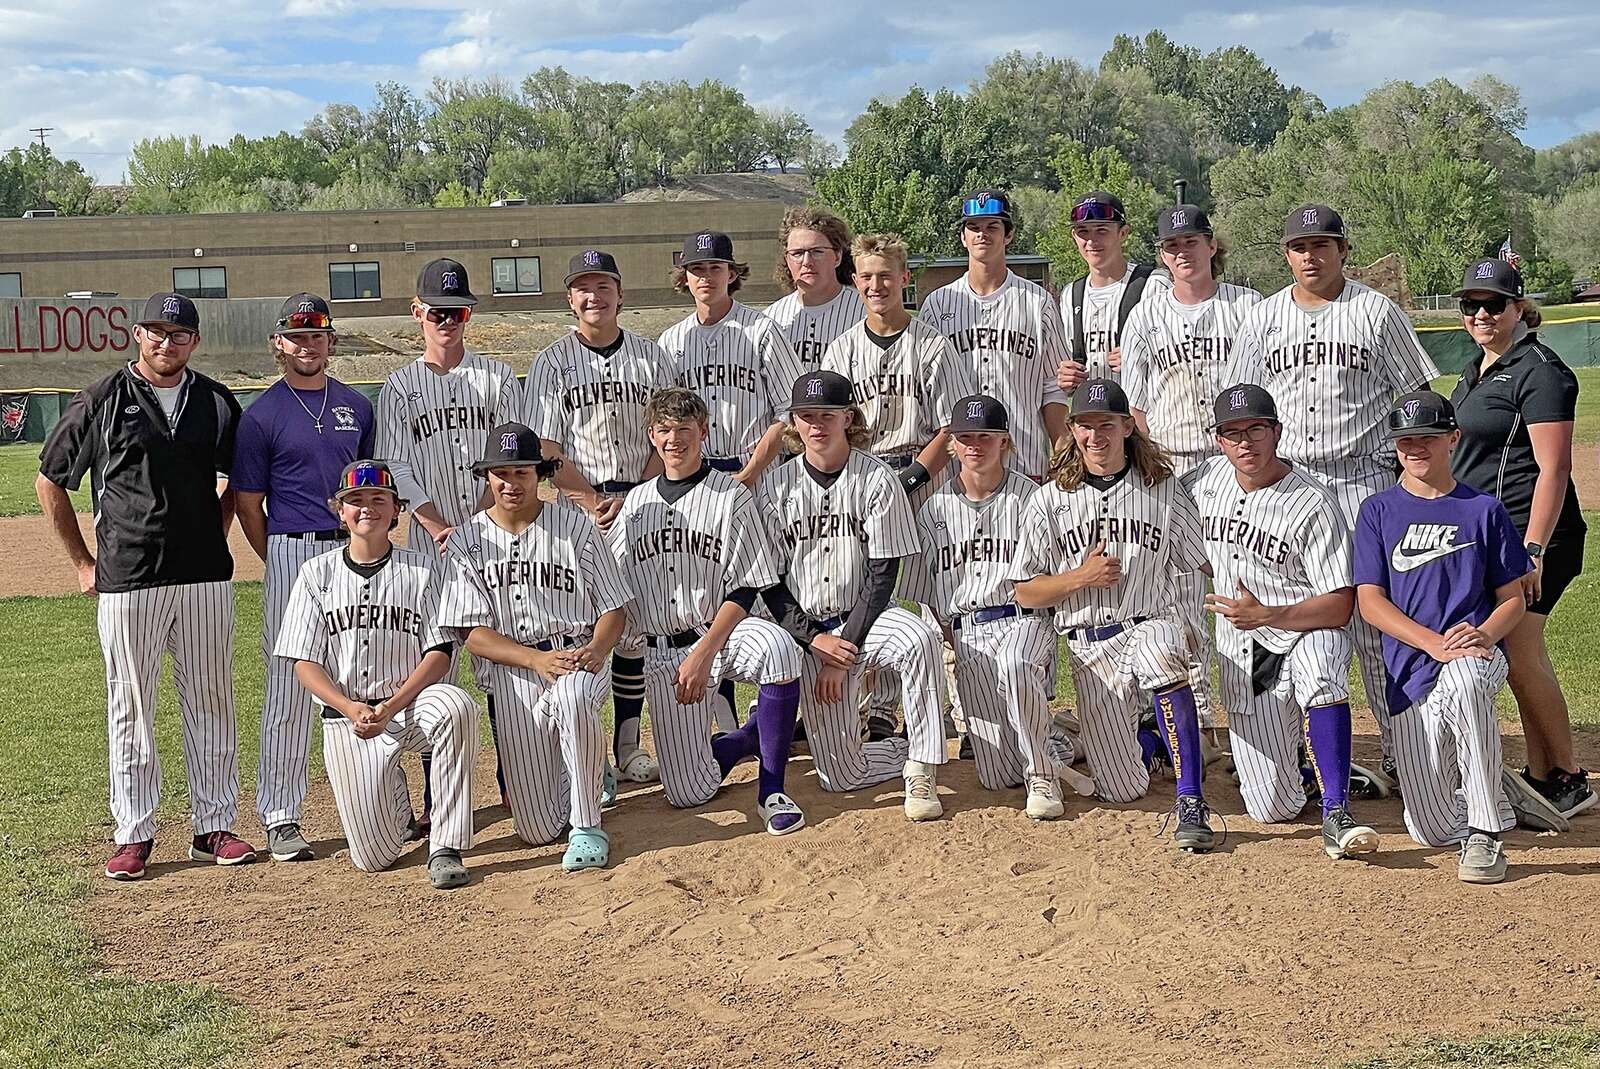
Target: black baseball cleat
<point>1343,837</point>
<point>1194,834</point>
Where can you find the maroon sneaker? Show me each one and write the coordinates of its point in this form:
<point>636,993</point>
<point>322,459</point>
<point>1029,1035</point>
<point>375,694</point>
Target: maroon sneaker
<point>222,848</point>
<point>129,861</point>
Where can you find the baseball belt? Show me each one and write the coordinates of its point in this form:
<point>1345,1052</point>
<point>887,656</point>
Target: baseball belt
<point>335,535</point>
<point>334,714</point>
<point>727,464</point>
<point>556,642</point>
<point>615,486</point>
<point>834,621</point>
<point>675,642</point>
<point>1100,634</point>
<point>990,613</point>
<point>900,459</point>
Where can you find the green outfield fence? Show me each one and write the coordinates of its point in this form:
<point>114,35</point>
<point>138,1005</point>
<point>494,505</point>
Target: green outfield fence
<point>28,415</point>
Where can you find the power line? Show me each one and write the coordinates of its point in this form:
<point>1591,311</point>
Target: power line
<point>41,131</point>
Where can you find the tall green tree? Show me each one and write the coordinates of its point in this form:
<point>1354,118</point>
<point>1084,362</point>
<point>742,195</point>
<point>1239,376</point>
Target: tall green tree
<point>785,135</point>
<point>471,121</point>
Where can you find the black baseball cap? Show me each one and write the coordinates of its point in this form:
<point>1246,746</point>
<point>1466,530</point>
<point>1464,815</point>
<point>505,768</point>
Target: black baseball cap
<point>170,310</point>
<point>443,284</point>
<point>592,262</point>
<point>986,204</point>
<point>510,445</point>
<point>1313,221</point>
<point>365,475</point>
<point>1492,275</point>
<point>1099,207</point>
<point>1099,395</point>
<point>1181,219</point>
<point>304,313</point>
<point>707,246</point>
<point>979,413</point>
<point>1420,412</point>
<point>821,390</point>
<point>1244,401</point>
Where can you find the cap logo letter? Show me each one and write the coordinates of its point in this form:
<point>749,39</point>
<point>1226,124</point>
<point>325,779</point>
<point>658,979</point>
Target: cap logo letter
<point>1236,399</point>
<point>306,306</point>
<point>814,388</point>
<point>703,242</point>
<point>170,306</point>
<point>1179,218</point>
<point>591,258</point>
<point>1411,407</point>
<point>449,281</point>
<point>508,442</point>
<point>1308,217</point>
<point>1097,393</point>
<point>1485,270</point>
<point>974,409</point>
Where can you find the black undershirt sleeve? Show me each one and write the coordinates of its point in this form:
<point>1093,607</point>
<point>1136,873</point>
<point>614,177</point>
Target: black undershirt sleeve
<point>788,614</point>
<point>744,597</point>
<point>443,647</point>
<point>881,575</point>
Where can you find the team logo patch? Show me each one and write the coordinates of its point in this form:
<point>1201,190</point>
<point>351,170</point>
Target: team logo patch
<point>508,442</point>
<point>414,395</point>
<point>345,417</point>
<point>1236,399</point>
<point>1308,217</point>
<point>449,281</point>
<point>591,258</point>
<point>131,410</point>
<point>171,306</point>
<point>1180,218</point>
<point>814,388</point>
<point>947,316</point>
<point>940,524</point>
<point>702,242</point>
<point>1485,270</point>
<point>1274,330</point>
<point>1410,408</point>
<point>475,549</point>
<point>1097,393</point>
<point>306,306</point>
<point>974,409</point>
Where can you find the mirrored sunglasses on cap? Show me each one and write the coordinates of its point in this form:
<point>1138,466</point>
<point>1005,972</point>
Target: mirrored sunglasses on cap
<point>367,477</point>
<point>306,321</point>
<point>983,206</point>
<point>1094,211</point>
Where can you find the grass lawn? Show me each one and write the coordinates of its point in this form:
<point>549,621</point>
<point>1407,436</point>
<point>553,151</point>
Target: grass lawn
<point>19,464</point>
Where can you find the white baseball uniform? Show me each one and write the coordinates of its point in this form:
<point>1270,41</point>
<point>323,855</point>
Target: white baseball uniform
<point>1334,372</point>
<point>545,588</point>
<point>1125,640</point>
<point>370,627</point>
<point>1101,307</point>
<point>1287,543</point>
<point>812,328</point>
<point>906,390</point>
<point>1003,653</point>
<point>829,526</point>
<point>1012,341</point>
<point>683,550</point>
<point>743,369</point>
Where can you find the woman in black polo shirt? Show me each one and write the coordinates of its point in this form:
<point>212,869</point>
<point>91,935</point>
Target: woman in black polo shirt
<point>1516,404</point>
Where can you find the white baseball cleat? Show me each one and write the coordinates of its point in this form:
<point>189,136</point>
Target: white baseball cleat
<point>1044,799</point>
<point>638,767</point>
<point>922,793</point>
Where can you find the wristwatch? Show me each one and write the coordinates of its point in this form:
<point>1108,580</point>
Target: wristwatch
<point>1535,550</point>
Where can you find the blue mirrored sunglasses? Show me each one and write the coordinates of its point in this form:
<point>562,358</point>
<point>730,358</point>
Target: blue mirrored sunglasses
<point>983,206</point>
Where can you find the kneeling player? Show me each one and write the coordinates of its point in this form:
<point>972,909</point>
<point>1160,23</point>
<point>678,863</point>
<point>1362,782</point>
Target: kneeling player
<point>1101,542</point>
<point>1438,570</point>
<point>696,556</point>
<point>539,598</point>
<point>1280,551</point>
<point>363,626</point>
<point>844,522</point>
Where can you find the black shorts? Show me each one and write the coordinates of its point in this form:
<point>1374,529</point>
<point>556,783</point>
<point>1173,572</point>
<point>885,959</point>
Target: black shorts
<point>1563,562</point>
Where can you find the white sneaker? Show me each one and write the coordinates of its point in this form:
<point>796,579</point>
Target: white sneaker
<point>1044,798</point>
<point>922,793</point>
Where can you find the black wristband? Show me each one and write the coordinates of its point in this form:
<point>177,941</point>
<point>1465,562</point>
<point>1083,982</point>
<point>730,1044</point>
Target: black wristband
<point>913,476</point>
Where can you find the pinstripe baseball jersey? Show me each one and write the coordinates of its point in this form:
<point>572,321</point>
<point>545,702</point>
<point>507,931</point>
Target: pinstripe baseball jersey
<point>554,580</point>
<point>593,404</point>
<point>828,533</point>
<point>905,391</point>
<point>369,632</point>
<point>812,328</point>
<point>742,367</point>
<point>1174,360</point>
<point>968,548</point>
<point>1332,370</point>
<point>681,559</point>
<point>432,427</point>
<point>1287,542</point>
<point>1013,343</point>
<point>1153,530</point>
<point>1101,305</point>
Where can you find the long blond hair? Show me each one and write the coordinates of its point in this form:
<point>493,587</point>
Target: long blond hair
<point>1152,462</point>
<point>858,434</point>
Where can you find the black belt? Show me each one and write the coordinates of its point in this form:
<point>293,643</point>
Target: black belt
<point>1100,634</point>
<point>330,713</point>
<point>989,614</point>
<point>727,464</point>
<point>557,642</point>
<point>335,535</point>
<point>676,642</point>
<point>899,461</point>
<point>834,621</point>
<point>615,486</point>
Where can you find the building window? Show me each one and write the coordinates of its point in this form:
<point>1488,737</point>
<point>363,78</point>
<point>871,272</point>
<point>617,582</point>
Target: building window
<point>10,284</point>
<point>200,281</point>
<point>908,296</point>
<point>353,282</point>
<point>516,274</point>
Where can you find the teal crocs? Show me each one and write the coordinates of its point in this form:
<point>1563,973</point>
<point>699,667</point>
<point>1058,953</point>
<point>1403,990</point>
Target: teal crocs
<point>587,848</point>
<point>608,788</point>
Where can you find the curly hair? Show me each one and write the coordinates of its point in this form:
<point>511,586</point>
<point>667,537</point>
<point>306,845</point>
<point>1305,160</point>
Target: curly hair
<point>858,434</point>
<point>1149,459</point>
<point>891,247</point>
<point>675,404</point>
<point>824,222</point>
<point>680,278</point>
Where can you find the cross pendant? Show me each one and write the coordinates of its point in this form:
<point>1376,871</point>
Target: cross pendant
<point>318,424</point>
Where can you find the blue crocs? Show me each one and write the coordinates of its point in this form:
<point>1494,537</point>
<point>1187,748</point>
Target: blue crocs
<point>587,848</point>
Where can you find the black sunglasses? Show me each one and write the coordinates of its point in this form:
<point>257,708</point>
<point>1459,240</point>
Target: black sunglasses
<point>1493,305</point>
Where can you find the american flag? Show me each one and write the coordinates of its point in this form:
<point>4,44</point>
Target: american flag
<point>1509,255</point>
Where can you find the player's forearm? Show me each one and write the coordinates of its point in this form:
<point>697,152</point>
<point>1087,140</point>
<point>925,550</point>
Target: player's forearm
<point>316,680</point>
<point>225,501</point>
<point>491,645</point>
<point>430,517</point>
<point>406,484</point>
<point>652,468</point>
<point>722,625</point>
<point>433,667</point>
<point>1385,615</point>
<point>1142,421</point>
<point>568,479</point>
<point>882,573</point>
<point>1509,608</point>
<point>936,454</point>
<point>57,508</point>
<point>766,452</point>
<point>1047,591</point>
<point>1323,612</point>
<point>608,631</point>
<point>1055,423</point>
<point>252,520</point>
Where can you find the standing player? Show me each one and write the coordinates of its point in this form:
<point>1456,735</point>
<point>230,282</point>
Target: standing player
<point>1095,307</point>
<point>362,627</point>
<point>293,443</point>
<point>1438,568</point>
<point>537,595</point>
<point>1280,555</point>
<point>815,271</point>
<point>154,437</point>
<point>696,556</point>
<point>844,524</point>
<point>585,397</point>
<point>1101,542</point>
<point>1333,354</point>
<point>1007,330</point>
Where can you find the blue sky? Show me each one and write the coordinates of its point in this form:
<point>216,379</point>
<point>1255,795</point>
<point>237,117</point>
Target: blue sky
<point>104,75</point>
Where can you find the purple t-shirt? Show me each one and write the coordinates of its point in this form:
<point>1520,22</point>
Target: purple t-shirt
<point>281,454</point>
<point>1440,562</point>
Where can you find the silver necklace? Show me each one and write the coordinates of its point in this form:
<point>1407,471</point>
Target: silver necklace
<point>316,417</point>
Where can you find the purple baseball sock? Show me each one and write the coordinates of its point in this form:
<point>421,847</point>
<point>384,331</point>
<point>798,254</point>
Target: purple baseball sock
<point>776,706</point>
<point>1328,739</point>
<point>735,746</point>
<point>1180,725</point>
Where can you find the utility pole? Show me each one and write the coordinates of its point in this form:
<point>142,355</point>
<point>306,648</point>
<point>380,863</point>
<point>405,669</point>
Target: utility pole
<point>41,131</point>
<point>44,152</point>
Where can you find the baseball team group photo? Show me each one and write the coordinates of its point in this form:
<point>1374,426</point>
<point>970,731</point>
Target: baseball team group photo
<point>1074,623</point>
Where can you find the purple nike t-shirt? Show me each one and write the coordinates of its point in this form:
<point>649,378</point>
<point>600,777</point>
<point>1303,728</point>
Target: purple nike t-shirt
<point>281,453</point>
<point>1440,561</point>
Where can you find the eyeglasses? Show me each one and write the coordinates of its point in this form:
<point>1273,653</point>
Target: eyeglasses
<point>306,321</point>
<point>816,252</point>
<point>1256,432</point>
<point>449,315</point>
<point>1493,305</point>
<point>180,338</point>
<point>1093,211</point>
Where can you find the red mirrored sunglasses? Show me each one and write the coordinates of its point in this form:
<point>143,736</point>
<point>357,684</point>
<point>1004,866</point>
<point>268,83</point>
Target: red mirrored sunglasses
<point>449,315</point>
<point>306,321</point>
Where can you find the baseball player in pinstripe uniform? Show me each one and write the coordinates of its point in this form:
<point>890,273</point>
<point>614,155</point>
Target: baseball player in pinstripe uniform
<point>1095,307</point>
<point>1101,542</point>
<point>1280,555</point>
<point>844,524</point>
<point>1438,569</point>
<point>585,397</point>
<point>815,269</point>
<point>363,628</point>
<point>293,443</point>
<point>537,596</point>
<point>696,556</point>
<point>1334,353</point>
<point>1007,329</point>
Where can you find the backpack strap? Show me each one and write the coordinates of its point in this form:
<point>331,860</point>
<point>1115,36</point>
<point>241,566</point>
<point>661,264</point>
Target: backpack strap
<point>1080,350</point>
<point>1130,297</point>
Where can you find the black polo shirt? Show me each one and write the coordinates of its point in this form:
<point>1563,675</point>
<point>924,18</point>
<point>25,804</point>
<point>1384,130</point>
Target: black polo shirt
<point>158,521</point>
<point>1529,384</point>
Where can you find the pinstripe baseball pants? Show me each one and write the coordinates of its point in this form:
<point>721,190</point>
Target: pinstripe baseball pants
<point>286,709</point>
<point>553,749</point>
<point>1002,669</point>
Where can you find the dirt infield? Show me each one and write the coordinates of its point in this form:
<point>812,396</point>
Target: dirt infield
<point>864,940</point>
